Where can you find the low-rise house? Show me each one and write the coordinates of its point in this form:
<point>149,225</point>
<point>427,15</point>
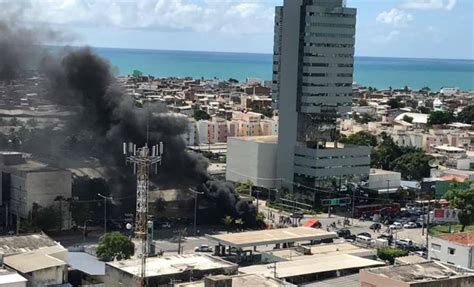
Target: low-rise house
<point>423,274</point>
<point>160,271</point>
<point>456,249</point>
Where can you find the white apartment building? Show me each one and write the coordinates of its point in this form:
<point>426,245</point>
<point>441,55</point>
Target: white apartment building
<point>449,91</point>
<point>25,183</point>
<point>455,248</point>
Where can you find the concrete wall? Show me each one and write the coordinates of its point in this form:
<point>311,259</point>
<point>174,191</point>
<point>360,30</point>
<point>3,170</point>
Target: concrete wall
<point>380,180</point>
<point>16,284</point>
<point>253,160</point>
<point>43,187</point>
<point>49,276</point>
<point>463,255</point>
<point>368,279</point>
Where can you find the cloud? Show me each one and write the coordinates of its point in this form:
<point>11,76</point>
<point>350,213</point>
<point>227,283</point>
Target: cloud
<point>429,4</point>
<point>394,17</point>
<point>231,16</point>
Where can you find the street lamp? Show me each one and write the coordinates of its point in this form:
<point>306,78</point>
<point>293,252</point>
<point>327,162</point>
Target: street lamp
<point>195,206</point>
<point>105,209</point>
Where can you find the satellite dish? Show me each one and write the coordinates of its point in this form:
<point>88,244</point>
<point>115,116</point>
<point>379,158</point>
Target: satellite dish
<point>433,163</point>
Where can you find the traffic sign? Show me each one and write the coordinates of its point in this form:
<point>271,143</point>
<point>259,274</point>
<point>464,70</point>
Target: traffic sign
<point>336,201</point>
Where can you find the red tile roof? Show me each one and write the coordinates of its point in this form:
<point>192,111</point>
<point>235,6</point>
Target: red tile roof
<point>464,238</point>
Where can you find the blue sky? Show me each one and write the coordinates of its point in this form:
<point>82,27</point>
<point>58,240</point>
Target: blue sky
<point>393,28</point>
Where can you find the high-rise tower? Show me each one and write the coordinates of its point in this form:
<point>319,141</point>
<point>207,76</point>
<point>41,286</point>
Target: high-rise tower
<point>312,87</point>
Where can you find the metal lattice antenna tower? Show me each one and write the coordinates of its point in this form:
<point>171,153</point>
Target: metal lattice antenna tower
<point>143,160</point>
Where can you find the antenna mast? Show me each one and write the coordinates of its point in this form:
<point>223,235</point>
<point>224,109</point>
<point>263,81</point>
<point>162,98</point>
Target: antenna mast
<point>143,159</point>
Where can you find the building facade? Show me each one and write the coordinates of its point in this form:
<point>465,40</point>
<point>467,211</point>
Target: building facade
<point>456,249</point>
<point>313,67</point>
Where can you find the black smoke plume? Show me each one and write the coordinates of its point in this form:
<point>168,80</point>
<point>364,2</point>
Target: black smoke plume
<point>105,117</point>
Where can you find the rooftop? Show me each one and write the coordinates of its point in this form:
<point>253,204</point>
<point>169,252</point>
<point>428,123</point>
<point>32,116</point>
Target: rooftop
<point>464,238</point>
<point>242,280</point>
<point>9,277</point>
<point>159,266</point>
<point>32,261</point>
<point>271,236</point>
<point>324,250</point>
<point>260,139</point>
<point>86,263</point>
<point>417,117</point>
<point>311,265</point>
<point>24,243</point>
<point>342,281</point>
<point>420,272</point>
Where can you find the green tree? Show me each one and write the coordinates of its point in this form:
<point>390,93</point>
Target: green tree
<point>360,138</point>
<point>45,218</point>
<point>201,115</point>
<point>232,80</point>
<point>227,220</point>
<point>239,222</point>
<point>137,73</point>
<point>441,117</point>
<point>463,200</point>
<point>115,245</point>
<point>467,115</point>
<point>363,118</point>
<point>14,122</point>
<point>408,119</point>
<point>424,110</point>
<point>260,216</point>
<point>389,254</point>
<point>363,103</point>
<point>244,187</point>
<point>413,165</point>
<point>385,153</point>
<point>32,123</point>
<point>395,103</point>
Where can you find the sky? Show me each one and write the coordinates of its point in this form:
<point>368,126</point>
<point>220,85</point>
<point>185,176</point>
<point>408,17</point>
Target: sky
<point>386,28</point>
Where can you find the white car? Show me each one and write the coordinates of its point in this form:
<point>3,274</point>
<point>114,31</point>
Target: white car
<point>410,225</point>
<point>203,248</point>
<point>396,225</point>
<point>165,225</point>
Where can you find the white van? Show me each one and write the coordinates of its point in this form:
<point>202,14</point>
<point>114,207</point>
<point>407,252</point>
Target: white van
<point>364,240</point>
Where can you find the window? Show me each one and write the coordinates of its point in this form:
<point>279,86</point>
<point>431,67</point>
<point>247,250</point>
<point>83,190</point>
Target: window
<point>451,251</point>
<point>435,246</point>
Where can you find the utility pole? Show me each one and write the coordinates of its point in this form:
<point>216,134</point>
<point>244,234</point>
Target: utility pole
<point>353,204</point>
<point>196,193</point>
<point>142,159</point>
<point>105,210</point>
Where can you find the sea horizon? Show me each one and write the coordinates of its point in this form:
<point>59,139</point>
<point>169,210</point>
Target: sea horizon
<point>374,71</point>
<point>261,53</point>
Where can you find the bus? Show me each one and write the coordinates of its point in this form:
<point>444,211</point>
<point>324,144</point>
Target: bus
<point>371,209</point>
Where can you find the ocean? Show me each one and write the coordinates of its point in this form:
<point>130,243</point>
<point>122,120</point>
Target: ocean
<point>368,71</point>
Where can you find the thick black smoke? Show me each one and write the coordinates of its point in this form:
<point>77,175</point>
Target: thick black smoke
<point>106,117</point>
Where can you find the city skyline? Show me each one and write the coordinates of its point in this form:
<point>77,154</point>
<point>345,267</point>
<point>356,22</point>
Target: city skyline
<point>385,28</point>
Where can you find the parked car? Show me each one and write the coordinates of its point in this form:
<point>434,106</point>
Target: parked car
<point>365,234</point>
<point>375,226</point>
<point>203,248</point>
<point>404,243</point>
<point>297,214</point>
<point>350,238</point>
<point>396,225</point>
<point>410,225</point>
<point>165,225</point>
<point>343,233</point>
<point>364,239</point>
